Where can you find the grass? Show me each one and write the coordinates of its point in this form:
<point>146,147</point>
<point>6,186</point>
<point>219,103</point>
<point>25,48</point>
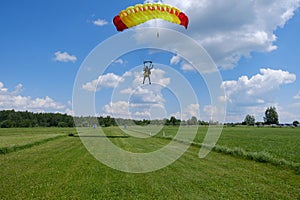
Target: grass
<point>281,143</point>
<point>10,137</point>
<point>15,139</point>
<point>5,150</point>
<point>64,169</point>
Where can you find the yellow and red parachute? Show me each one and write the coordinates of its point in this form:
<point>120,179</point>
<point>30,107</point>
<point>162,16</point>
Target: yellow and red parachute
<point>140,13</point>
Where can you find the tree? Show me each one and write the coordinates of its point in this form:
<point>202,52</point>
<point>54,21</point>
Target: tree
<point>192,121</point>
<point>173,120</point>
<point>7,124</point>
<point>249,120</point>
<point>107,121</point>
<point>295,123</point>
<point>62,124</point>
<point>271,116</point>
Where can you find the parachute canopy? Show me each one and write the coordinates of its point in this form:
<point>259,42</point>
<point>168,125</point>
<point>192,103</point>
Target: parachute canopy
<point>140,13</point>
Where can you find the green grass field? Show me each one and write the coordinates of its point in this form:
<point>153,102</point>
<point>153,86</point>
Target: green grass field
<point>10,137</point>
<point>63,169</point>
<point>280,142</point>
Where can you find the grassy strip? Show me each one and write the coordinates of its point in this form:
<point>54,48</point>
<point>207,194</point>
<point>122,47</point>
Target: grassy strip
<point>263,156</point>
<point>6,150</point>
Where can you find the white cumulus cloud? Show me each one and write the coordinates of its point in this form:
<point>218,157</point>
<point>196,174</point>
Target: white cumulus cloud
<point>175,60</point>
<point>18,89</point>
<point>189,111</point>
<point>231,29</point>
<point>192,110</point>
<point>109,80</point>
<point>119,109</point>
<point>210,110</point>
<point>148,95</point>
<point>252,95</point>
<point>14,100</point>
<point>2,88</point>
<point>64,57</point>
<point>100,22</point>
<point>133,110</point>
<point>258,88</point>
<point>187,67</point>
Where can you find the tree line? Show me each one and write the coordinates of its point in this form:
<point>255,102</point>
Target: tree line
<point>109,121</point>
<point>20,119</point>
<point>23,119</point>
<point>271,118</point>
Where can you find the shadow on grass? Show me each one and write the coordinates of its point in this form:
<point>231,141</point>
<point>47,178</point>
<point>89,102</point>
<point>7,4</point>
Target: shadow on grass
<point>101,136</point>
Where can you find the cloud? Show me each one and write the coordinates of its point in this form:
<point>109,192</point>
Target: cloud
<point>189,111</point>
<point>192,110</point>
<point>258,89</point>
<point>119,61</point>
<point>46,102</point>
<point>141,94</point>
<point>109,80</point>
<point>136,101</point>
<point>64,57</point>
<point>187,67</point>
<point>119,109</point>
<point>69,111</point>
<point>14,100</point>
<point>286,113</point>
<point>18,89</point>
<point>175,60</point>
<point>128,90</point>
<point>2,88</point>
<point>297,96</point>
<point>151,95</point>
<point>184,65</point>
<point>128,110</point>
<point>100,22</point>
<point>252,95</point>
<point>210,110</point>
<point>231,29</point>
<point>142,115</point>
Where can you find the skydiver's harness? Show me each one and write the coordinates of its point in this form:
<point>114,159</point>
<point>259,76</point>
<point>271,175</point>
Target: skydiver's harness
<point>147,70</point>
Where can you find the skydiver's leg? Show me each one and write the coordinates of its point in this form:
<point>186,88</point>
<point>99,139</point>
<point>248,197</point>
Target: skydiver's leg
<point>144,79</point>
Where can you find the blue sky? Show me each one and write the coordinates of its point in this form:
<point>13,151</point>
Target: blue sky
<point>255,45</point>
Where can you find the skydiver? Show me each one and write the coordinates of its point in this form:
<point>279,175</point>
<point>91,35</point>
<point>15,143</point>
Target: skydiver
<point>147,71</point>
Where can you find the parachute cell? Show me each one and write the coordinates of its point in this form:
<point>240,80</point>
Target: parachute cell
<point>140,13</point>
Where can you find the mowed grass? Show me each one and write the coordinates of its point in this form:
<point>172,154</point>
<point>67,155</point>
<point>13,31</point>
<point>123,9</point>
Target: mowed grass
<point>10,137</point>
<point>282,143</point>
<point>64,169</point>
